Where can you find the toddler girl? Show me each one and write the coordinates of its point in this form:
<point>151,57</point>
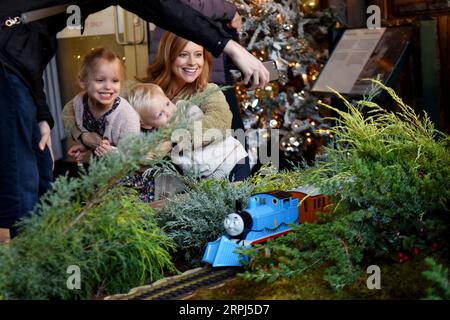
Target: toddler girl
<point>99,108</point>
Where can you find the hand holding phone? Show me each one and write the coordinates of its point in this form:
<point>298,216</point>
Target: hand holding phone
<point>270,65</point>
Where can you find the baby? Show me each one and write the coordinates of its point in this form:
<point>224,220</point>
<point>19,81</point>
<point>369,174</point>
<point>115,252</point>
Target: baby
<point>216,159</point>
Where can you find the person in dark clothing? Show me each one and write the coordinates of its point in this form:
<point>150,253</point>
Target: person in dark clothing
<point>26,49</point>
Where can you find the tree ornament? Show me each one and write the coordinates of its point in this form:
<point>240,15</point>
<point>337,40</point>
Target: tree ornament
<point>271,119</point>
<point>261,54</point>
<point>273,89</point>
<point>313,72</point>
<point>292,145</point>
<point>299,126</point>
<point>250,120</point>
<point>287,26</point>
<point>256,107</point>
<point>276,120</point>
<point>309,7</point>
<point>280,18</point>
<point>243,35</point>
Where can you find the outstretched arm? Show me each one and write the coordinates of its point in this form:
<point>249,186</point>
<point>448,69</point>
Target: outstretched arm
<point>219,10</point>
<point>179,18</point>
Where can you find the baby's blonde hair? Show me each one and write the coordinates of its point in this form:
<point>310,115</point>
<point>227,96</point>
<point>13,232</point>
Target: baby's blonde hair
<point>142,95</point>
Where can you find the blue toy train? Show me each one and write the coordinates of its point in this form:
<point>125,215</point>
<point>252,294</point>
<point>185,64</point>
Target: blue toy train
<point>268,215</point>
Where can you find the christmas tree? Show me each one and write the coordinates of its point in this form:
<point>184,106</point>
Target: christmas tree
<point>293,33</point>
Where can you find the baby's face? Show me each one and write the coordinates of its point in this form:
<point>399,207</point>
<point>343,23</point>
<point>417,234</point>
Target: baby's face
<point>158,113</point>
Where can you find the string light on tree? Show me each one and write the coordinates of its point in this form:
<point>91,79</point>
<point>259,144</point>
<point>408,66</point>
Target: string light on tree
<point>277,30</point>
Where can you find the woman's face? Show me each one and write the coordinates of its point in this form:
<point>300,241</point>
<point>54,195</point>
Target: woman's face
<point>188,66</point>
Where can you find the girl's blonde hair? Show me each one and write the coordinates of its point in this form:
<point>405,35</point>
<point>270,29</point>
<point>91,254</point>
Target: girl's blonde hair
<point>91,59</point>
<point>141,95</point>
<point>160,71</point>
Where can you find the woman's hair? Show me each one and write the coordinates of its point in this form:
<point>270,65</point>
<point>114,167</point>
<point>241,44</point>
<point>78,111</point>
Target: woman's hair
<point>91,59</point>
<point>141,95</point>
<point>160,71</point>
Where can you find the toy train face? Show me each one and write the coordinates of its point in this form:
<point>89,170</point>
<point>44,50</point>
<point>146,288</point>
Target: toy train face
<point>268,215</point>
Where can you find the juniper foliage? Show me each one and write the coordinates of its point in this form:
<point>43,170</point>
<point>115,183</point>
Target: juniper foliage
<point>389,174</point>
<point>196,217</point>
<point>438,276</point>
<point>268,178</point>
<point>93,223</point>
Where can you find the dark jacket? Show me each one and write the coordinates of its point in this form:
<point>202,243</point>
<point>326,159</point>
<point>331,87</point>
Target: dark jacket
<point>26,49</point>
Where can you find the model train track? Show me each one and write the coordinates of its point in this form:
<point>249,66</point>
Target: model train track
<point>179,287</point>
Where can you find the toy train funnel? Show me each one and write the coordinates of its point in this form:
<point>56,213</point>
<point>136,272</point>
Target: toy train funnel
<point>238,206</point>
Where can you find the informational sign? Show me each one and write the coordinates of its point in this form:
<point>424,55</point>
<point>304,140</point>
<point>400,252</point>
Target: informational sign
<point>360,54</point>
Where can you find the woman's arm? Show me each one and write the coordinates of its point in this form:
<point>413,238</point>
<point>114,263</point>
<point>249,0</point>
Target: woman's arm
<point>252,68</point>
<point>216,115</point>
<point>181,19</point>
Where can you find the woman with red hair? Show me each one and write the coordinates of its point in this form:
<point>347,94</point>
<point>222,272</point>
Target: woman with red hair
<point>182,69</point>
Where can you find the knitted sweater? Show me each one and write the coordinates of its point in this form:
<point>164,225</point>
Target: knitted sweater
<point>216,114</point>
<point>215,160</point>
<point>68,114</point>
<point>119,123</point>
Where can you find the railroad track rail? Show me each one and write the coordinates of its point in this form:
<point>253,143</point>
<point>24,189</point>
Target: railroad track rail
<point>179,287</point>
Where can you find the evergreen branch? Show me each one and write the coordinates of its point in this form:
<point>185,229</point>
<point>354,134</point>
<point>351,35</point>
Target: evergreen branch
<point>344,245</point>
<point>96,198</point>
<point>389,175</point>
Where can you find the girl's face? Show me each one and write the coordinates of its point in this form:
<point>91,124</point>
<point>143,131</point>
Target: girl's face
<point>188,66</point>
<point>158,113</point>
<point>103,83</point>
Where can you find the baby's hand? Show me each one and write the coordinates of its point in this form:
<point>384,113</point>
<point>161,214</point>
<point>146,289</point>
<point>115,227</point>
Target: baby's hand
<point>149,156</point>
<point>103,148</point>
<point>163,148</point>
<point>77,152</point>
<point>90,139</point>
<point>160,151</point>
